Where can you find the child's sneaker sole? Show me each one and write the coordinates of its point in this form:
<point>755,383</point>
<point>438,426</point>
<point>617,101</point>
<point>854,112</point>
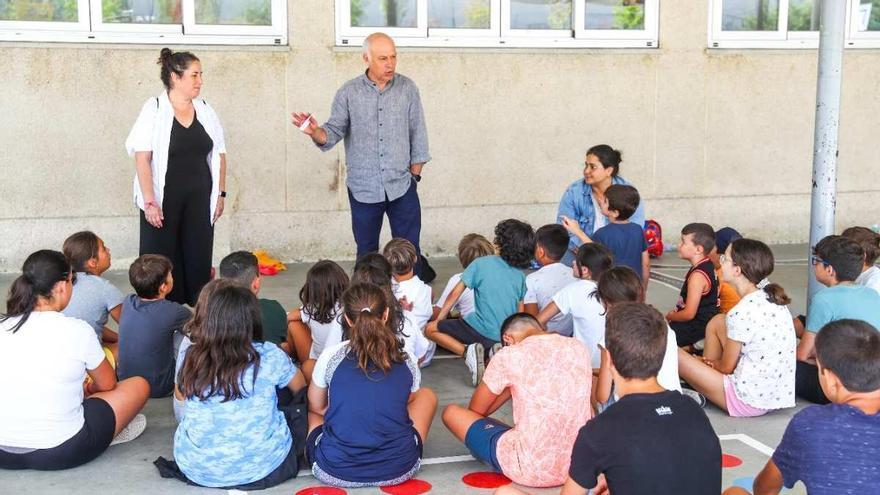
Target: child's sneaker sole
<point>131,431</point>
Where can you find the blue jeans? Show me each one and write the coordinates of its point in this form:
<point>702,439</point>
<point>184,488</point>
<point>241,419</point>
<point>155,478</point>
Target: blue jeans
<point>404,215</point>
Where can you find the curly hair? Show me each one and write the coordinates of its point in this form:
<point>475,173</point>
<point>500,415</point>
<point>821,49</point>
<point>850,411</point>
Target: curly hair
<point>516,242</point>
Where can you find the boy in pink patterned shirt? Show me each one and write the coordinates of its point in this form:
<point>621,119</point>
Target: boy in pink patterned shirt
<point>548,377</point>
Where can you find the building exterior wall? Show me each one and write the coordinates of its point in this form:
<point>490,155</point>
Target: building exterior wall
<point>721,136</point>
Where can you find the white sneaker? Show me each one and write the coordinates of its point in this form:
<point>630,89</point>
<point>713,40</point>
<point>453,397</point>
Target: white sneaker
<point>132,430</point>
<point>474,358</point>
<point>495,348</point>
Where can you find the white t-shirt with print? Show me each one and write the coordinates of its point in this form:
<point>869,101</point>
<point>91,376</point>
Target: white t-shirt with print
<point>667,377</point>
<point>588,315</point>
<point>870,278</point>
<point>416,311</point>
<point>42,369</point>
<point>764,376</point>
<point>465,303</point>
<point>323,334</point>
<point>545,283</point>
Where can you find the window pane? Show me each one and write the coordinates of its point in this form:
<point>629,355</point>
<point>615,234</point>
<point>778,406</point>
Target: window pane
<point>749,15</point>
<point>383,13</point>
<point>450,14</point>
<point>615,14</point>
<point>234,12</point>
<point>869,15</point>
<point>142,11</point>
<point>803,15</point>
<point>540,14</point>
<point>39,10</point>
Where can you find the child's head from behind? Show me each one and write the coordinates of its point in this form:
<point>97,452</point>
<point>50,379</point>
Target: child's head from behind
<point>45,274</point>
<point>621,201</point>
<point>591,261</point>
<point>850,350</point>
<point>372,268</point>
<point>473,246</point>
<point>518,326</point>
<point>322,291</point>
<point>697,240</point>
<point>243,268</point>
<point>401,255</point>
<point>752,260</point>
<point>150,276</point>
<point>618,285</point>
<point>200,311</point>
<point>837,259</point>
<point>87,253</point>
<point>515,242</point>
<point>635,336</point>
<point>551,241</point>
<point>868,239</point>
<point>223,351</point>
<point>368,315</point>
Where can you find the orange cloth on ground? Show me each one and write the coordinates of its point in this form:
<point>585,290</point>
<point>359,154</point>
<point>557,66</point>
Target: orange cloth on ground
<point>727,296</point>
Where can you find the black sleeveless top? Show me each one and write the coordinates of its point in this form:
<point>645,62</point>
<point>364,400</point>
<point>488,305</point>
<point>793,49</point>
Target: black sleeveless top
<point>188,152</point>
<point>709,301</point>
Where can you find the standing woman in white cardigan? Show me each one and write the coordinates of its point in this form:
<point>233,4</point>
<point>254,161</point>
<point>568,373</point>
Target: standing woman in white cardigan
<point>180,157</point>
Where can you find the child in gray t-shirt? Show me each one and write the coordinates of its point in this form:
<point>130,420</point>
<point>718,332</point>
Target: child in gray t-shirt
<point>94,297</point>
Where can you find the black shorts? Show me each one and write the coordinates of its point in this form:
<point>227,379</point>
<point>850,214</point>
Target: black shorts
<point>460,330</point>
<point>86,445</point>
<point>688,332</point>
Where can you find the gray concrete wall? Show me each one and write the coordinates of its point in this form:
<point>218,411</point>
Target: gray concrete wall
<point>717,136</point>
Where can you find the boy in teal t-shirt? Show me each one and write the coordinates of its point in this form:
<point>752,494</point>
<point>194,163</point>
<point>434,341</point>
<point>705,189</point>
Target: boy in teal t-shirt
<point>837,262</point>
<point>499,286</point>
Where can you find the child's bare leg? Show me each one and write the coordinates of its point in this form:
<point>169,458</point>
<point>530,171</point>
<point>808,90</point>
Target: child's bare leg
<point>315,420</point>
<point>798,327</point>
<point>716,337</point>
<point>447,342</point>
<point>300,337</point>
<point>459,419</point>
<point>421,408</point>
<point>126,400</point>
<point>307,367</point>
<point>509,490</point>
<point>706,380</point>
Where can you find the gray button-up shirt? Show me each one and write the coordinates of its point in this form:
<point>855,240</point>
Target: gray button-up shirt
<point>384,134</point>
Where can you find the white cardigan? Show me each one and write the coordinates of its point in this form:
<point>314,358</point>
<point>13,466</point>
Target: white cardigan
<point>152,132</point>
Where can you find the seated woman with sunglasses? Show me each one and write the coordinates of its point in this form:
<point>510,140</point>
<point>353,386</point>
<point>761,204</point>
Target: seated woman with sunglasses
<point>44,359</point>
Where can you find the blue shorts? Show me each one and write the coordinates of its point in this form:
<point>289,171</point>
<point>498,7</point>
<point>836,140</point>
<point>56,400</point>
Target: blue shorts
<point>482,438</point>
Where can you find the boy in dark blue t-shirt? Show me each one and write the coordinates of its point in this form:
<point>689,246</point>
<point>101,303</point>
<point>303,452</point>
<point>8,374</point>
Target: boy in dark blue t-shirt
<point>833,449</point>
<point>624,239</point>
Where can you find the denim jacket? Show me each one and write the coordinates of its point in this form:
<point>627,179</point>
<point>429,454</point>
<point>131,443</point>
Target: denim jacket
<point>577,203</point>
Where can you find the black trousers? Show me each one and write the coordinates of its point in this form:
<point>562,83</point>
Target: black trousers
<point>186,238</point>
<point>806,383</point>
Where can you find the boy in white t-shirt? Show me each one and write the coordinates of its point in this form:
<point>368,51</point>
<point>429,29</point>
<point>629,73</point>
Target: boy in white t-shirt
<point>471,247</point>
<point>551,241</point>
<point>413,295</point>
<point>870,242</point>
<point>580,300</point>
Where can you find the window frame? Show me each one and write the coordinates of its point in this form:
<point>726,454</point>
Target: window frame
<point>81,25</point>
<point>500,34</point>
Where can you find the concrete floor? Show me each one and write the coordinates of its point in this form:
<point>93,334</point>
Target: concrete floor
<point>128,468</point>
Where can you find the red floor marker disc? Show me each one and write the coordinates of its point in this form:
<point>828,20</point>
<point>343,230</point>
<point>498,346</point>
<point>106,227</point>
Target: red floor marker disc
<point>409,487</point>
<point>485,479</point>
<point>321,490</point>
<point>730,461</point>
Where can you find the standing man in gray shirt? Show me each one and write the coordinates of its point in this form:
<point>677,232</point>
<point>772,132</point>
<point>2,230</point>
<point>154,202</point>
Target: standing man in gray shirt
<point>379,116</point>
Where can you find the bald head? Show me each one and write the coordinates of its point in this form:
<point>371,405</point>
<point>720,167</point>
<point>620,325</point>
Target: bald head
<point>380,57</point>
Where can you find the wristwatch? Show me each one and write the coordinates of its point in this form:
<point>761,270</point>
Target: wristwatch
<point>417,177</point>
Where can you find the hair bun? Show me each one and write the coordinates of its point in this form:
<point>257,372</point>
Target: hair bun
<point>165,56</point>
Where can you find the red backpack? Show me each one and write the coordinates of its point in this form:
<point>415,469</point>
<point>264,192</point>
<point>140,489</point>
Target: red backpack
<point>654,238</point>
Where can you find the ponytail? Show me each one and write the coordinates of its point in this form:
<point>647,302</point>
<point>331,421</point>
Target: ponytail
<point>373,341</point>
<point>39,274</point>
<point>755,260</point>
<point>776,294</point>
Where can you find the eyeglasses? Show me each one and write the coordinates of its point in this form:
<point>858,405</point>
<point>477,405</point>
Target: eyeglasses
<point>815,260</point>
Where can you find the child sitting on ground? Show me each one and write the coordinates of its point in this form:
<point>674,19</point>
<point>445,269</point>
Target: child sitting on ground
<point>833,449</point>
<point>727,296</point>
<point>233,435</point>
<point>870,242</point>
<point>748,370</point>
<point>499,286</point>
<point>316,325</point>
<point>149,330</point>
<point>618,285</point>
<point>373,268</point>
<point>579,299</point>
<point>244,268</point>
<point>368,415</point>
<point>651,440</point>
<point>471,247</point>
<point>94,297</point>
<point>413,295</point>
<point>551,241</point>
<point>837,262</point>
<point>624,239</point>
<point>698,301</point>
<point>547,378</point>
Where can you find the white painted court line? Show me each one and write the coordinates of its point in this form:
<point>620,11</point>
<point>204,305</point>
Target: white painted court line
<point>751,442</point>
<point>654,280</point>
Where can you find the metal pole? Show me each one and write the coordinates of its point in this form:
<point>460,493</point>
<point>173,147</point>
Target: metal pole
<point>824,194</point>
